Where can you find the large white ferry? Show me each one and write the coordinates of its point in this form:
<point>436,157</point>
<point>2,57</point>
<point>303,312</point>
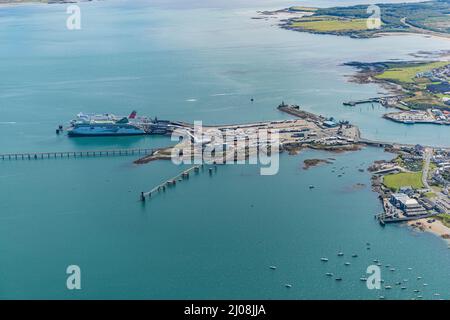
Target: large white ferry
<point>88,125</point>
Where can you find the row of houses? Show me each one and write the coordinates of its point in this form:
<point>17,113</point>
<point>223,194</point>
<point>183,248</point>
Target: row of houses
<point>436,74</point>
<point>441,175</point>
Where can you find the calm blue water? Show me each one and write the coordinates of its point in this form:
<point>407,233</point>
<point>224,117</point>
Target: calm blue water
<point>211,237</point>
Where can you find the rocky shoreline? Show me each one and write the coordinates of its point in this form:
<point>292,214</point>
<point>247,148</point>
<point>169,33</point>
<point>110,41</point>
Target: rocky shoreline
<point>309,163</point>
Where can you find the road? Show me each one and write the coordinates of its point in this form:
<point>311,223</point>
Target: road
<point>426,166</point>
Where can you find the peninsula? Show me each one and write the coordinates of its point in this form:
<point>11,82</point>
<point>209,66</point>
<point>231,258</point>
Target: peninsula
<point>428,17</point>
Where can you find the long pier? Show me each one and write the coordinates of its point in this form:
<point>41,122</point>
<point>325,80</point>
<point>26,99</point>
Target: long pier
<point>75,154</point>
<point>173,181</point>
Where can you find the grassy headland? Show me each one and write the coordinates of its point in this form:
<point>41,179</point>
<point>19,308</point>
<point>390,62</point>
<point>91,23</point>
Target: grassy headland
<point>328,24</point>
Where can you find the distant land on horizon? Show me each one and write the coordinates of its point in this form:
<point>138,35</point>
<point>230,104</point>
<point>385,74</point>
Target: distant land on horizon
<point>39,1</point>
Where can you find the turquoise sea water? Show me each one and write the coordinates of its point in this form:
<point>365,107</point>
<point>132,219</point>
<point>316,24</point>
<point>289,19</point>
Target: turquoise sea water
<point>210,237</point>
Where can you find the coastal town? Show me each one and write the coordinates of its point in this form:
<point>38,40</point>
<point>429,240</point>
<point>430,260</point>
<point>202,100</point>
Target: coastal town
<point>414,187</point>
<point>435,83</point>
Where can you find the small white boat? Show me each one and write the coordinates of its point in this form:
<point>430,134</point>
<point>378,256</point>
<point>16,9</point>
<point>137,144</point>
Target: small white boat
<point>425,284</point>
<point>338,279</point>
<point>354,255</point>
<point>272,267</point>
<point>416,291</point>
<point>329,274</point>
<point>387,287</point>
<point>437,294</point>
<point>403,288</point>
<point>340,254</point>
<point>392,269</point>
<point>410,269</point>
<point>381,297</point>
<point>418,278</point>
<point>287,285</point>
<point>363,279</point>
<point>347,263</point>
<point>324,259</point>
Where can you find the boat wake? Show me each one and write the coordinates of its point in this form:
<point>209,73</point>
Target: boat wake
<point>223,94</point>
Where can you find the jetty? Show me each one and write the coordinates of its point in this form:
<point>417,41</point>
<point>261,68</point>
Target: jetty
<point>384,101</point>
<point>356,102</point>
<point>75,154</point>
<point>383,218</point>
<point>184,175</point>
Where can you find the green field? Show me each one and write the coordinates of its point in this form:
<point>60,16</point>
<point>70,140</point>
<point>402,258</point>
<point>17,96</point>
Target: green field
<point>329,25</point>
<point>407,74</point>
<point>395,181</point>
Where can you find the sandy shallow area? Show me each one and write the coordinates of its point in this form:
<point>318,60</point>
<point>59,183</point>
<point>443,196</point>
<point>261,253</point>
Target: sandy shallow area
<point>436,227</point>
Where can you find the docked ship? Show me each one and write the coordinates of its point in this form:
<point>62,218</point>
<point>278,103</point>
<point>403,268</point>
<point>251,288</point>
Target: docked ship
<point>89,125</point>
